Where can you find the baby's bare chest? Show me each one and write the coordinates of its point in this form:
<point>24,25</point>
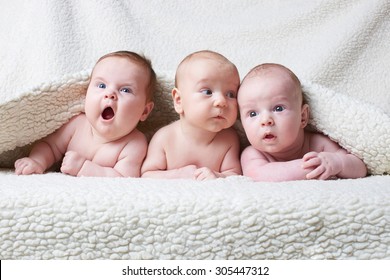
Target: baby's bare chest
<point>105,154</point>
<point>202,156</point>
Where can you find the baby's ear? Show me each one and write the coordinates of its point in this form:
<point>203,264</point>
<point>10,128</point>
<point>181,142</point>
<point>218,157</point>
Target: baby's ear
<point>305,115</point>
<point>177,100</point>
<point>147,110</point>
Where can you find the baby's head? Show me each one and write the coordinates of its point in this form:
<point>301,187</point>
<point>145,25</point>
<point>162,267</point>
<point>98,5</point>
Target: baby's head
<point>282,74</point>
<point>119,94</point>
<point>210,58</point>
<point>143,62</point>
<point>272,108</point>
<point>205,92</point>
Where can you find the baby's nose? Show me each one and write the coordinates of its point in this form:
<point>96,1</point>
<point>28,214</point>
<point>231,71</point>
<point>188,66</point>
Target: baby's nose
<point>267,120</point>
<point>220,100</point>
<point>111,95</point>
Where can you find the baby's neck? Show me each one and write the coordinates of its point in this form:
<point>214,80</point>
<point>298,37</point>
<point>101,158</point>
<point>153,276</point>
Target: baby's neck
<point>98,139</point>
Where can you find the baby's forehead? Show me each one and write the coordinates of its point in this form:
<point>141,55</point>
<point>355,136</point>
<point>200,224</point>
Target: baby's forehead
<point>274,71</point>
<point>271,80</point>
<point>101,64</point>
<point>210,58</point>
<point>201,60</point>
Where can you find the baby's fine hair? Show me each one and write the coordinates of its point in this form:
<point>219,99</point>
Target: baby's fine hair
<point>140,60</point>
<point>208,53</point>
<point>263,68</point>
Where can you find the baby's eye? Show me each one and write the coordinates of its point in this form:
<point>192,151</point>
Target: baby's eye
<point>278,108</point>
<point>127,90</point>
<point>231,94</point>
<point>206,91</point>
<point>101,85</point>
<point>252,114</point>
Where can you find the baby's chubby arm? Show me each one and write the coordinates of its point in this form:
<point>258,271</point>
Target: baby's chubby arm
<point>259,168</point>
<point>332,161</point>
<point>47,151</point>
<point>155,164</point>
<point>128,163</point>
<point>231,161</point>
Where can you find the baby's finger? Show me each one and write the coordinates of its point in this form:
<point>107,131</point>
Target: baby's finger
<point>20,163</point>
<point>313,162</point>
<point>20,167</point>
<point>200,176</point>
<point>325,175</point>
<point>18,170</point>
<point>27,170</point>
<point>316,173</point>
<point>309,156</point>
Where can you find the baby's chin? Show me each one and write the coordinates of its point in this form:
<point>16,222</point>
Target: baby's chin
<point>268,149</point>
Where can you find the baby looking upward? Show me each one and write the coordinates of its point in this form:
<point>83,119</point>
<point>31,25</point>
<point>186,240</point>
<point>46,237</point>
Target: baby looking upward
<point>104,141</point>
<point>274,117</point>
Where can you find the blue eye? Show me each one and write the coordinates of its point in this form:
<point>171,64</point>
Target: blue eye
<point>101,85</point>
<point>252,114</point>
<point>278,108</point>
<point>127,90</point>
<point>206,91</point>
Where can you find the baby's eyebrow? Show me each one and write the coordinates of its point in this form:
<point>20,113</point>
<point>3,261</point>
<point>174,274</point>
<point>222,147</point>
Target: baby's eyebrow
<point>203,82</point>
<point>97,78</point>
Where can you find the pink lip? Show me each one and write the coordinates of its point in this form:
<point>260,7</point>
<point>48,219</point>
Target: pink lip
<point>219,117</point>
<point>269,137</point>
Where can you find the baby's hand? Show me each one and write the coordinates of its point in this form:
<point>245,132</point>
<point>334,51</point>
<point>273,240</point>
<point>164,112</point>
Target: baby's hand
<point>205,173</point>
<point>72,163</point>
<point>27,166</point>
<point>186,171</point>
<point>325,165</point>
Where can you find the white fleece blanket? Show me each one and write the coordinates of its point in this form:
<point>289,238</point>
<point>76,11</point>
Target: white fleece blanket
<point>234,218</point>
<point>339,49</point>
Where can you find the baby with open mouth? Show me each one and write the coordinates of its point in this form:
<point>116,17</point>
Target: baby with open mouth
<point>274,116</point>
<point>108,113</point>
<point>104,141</point>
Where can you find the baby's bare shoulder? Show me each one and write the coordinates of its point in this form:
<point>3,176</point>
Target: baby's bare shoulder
<point>76,125</point>
<point>250,153</point>
<point>229,132</point>
<point>78,119</point>
<point>135,136</point>
<point>166,132</point>
<point>320,142</point>
<point>228,135</point>
<point>133,143</point>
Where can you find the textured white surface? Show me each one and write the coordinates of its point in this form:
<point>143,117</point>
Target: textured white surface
<point>62,217</point>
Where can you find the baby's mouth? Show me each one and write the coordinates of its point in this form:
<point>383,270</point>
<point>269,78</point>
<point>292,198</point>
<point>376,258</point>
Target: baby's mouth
<point>108,113</point>
<point>269,136</point>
